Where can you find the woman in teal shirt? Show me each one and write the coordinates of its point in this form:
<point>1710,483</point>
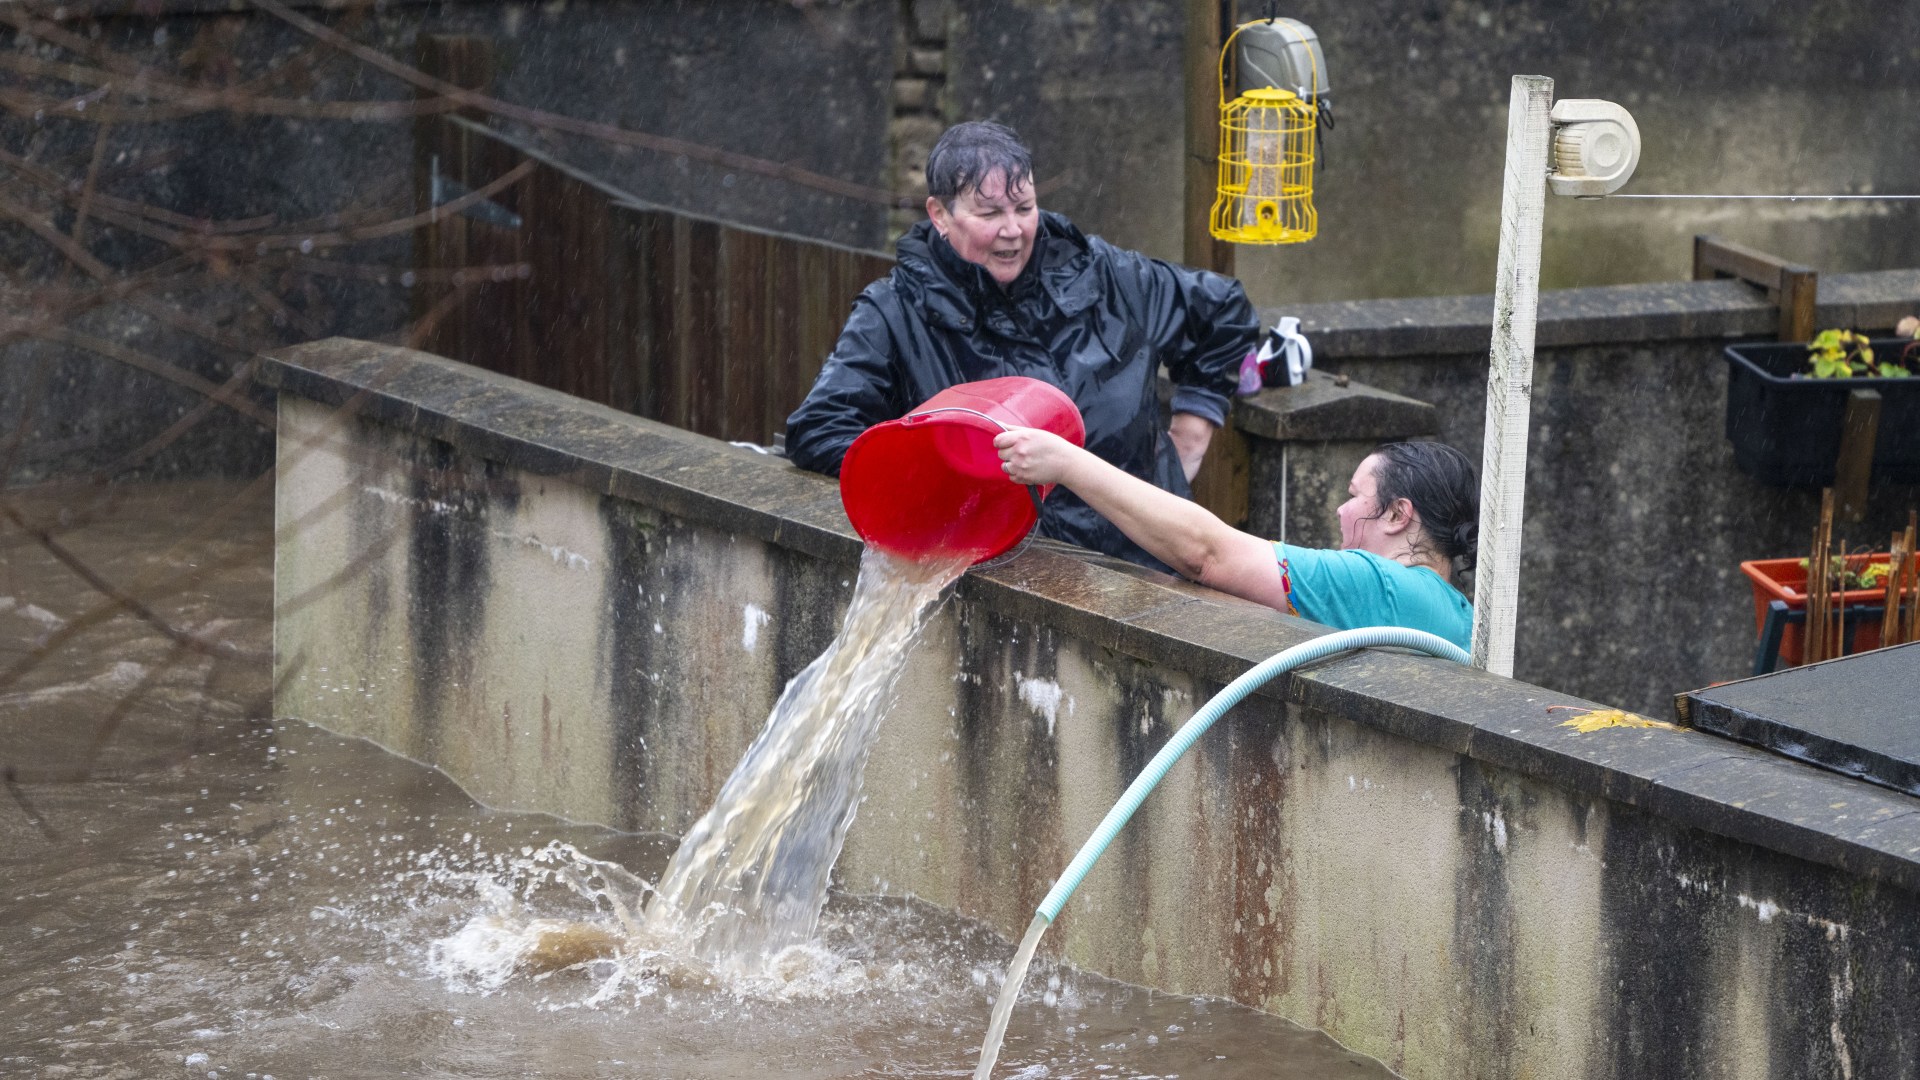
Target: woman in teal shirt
<point>1410,521</point>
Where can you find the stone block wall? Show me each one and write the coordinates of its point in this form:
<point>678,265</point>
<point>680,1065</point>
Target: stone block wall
<point>1729,98</point>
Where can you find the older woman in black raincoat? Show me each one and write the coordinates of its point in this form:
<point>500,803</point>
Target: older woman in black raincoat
<point>990,285</point>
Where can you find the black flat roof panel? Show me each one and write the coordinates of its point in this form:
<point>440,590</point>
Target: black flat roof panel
<point>1858,715</point>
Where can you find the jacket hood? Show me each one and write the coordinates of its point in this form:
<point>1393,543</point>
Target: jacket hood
<point>952,290</point>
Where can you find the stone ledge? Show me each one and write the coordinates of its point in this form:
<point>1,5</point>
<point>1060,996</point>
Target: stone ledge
<point>1440,325</point>
<point>1690,778</point>
<point>1327,406</point>
<point>554,434</point>
<point>152,9</point>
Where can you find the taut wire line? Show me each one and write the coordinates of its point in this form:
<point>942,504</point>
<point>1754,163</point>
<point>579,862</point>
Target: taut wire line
<point>1788,198</point>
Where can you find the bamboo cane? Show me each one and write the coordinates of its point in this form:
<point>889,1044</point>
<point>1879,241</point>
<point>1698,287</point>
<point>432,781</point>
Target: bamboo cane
<point>1912,580</point>
<point>1814,637</point>
<point>1891,622</point>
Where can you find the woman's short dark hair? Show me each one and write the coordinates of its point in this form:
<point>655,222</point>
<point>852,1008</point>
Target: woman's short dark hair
<point>969,153</point>
<point>1442,485</point>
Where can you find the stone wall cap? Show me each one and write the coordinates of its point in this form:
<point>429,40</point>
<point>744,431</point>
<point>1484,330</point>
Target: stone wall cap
<point>551,433</point>
<point>1690,777</point>
<point>1328,406</point>
<point>1443,325</point>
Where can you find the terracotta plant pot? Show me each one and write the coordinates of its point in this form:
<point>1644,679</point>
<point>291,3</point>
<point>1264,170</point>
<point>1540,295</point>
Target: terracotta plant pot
<point>1786,579</point>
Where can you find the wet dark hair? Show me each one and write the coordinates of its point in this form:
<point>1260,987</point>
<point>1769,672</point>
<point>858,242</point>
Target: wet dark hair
<point>1442,485</point>
<point>969,153</point>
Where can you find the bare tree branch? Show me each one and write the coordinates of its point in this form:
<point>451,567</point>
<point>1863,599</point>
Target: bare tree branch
<point>12,778</point>
<point>541,118</point>
<point>121,598</point>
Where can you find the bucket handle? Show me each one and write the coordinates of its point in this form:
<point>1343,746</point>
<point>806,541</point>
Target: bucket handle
<point>1032,492</point>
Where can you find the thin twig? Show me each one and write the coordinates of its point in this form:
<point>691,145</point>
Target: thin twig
<point>61,241</point>
<point>134,358</point>
<point>196,239</point>
<point>388,275</point>
<point>12,778</point>
<point>238,381</point>
<point>108,589</point>
<point>540,118</point>
<point>184,100</point>
<point>79,230</point>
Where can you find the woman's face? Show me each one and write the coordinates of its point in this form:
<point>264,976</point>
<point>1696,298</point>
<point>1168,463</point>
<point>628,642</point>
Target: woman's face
<point>991,226</point>
<point>1363,527</point>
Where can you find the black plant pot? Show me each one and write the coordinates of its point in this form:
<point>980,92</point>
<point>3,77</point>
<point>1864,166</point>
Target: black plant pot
<point>1786,431</point>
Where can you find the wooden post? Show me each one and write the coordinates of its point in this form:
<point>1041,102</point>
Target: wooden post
<point>1516,297</point>
<point>1793,289</point>
<point>1799,288</point>
<point>1225,475</point>
<point>1859,427</point>
<point>465,60</point>
<point>1208,23</point>
<point>1221,483</point>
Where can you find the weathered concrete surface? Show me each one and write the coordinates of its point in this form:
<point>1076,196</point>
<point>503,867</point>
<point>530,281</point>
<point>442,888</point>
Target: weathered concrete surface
<point>1637,518</point>
<point>578,611</point>
<point>1729,98</point>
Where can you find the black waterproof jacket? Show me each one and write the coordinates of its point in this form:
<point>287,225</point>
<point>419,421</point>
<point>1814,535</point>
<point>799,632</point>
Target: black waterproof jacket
<point>1095,320</point>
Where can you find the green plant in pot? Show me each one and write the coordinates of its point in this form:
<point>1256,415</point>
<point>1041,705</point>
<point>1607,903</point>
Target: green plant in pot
<point>1787,402</point>
<point>1846,354</point>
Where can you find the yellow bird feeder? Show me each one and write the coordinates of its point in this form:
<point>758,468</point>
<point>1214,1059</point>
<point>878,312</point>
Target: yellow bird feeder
<point>1267,142</point>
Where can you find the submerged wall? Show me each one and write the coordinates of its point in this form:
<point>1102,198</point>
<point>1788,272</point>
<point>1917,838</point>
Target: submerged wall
<point>576,611</point>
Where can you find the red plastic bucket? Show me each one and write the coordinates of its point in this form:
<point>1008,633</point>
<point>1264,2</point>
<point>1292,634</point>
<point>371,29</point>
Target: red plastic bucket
<point>929,485</point>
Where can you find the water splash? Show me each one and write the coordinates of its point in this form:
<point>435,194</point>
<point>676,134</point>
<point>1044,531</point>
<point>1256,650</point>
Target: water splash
<point>594,949</point>
<point>750,877</point>
<point>740,898</point>
<point>515,938</point>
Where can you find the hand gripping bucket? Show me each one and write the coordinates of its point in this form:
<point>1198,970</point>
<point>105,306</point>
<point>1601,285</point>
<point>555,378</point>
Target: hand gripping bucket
<point>929,485</point>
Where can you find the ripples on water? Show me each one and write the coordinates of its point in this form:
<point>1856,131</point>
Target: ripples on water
<point>227,896</point>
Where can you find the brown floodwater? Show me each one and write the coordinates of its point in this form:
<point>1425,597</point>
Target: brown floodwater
<point>189,888</point>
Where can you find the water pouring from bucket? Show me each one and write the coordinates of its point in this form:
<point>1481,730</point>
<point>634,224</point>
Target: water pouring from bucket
<point>930,484</point>
<point>928,494</point>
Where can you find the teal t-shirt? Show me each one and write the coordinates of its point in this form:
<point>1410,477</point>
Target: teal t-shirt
<point>1348,589</point>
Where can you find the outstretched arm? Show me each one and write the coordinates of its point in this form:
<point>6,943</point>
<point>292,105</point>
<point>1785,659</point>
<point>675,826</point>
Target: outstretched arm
<point>1181,533</point>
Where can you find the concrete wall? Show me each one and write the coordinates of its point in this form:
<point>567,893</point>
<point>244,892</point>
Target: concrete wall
<point>1789,99</point>
<point>798,84</point>
<point>1729,98</point>
<point>807,85</point>
<point>561,605</point>
<point>1636,517</point>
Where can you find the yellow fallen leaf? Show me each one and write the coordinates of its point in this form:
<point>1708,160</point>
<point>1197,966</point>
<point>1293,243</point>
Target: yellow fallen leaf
<point>1606,718</point>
